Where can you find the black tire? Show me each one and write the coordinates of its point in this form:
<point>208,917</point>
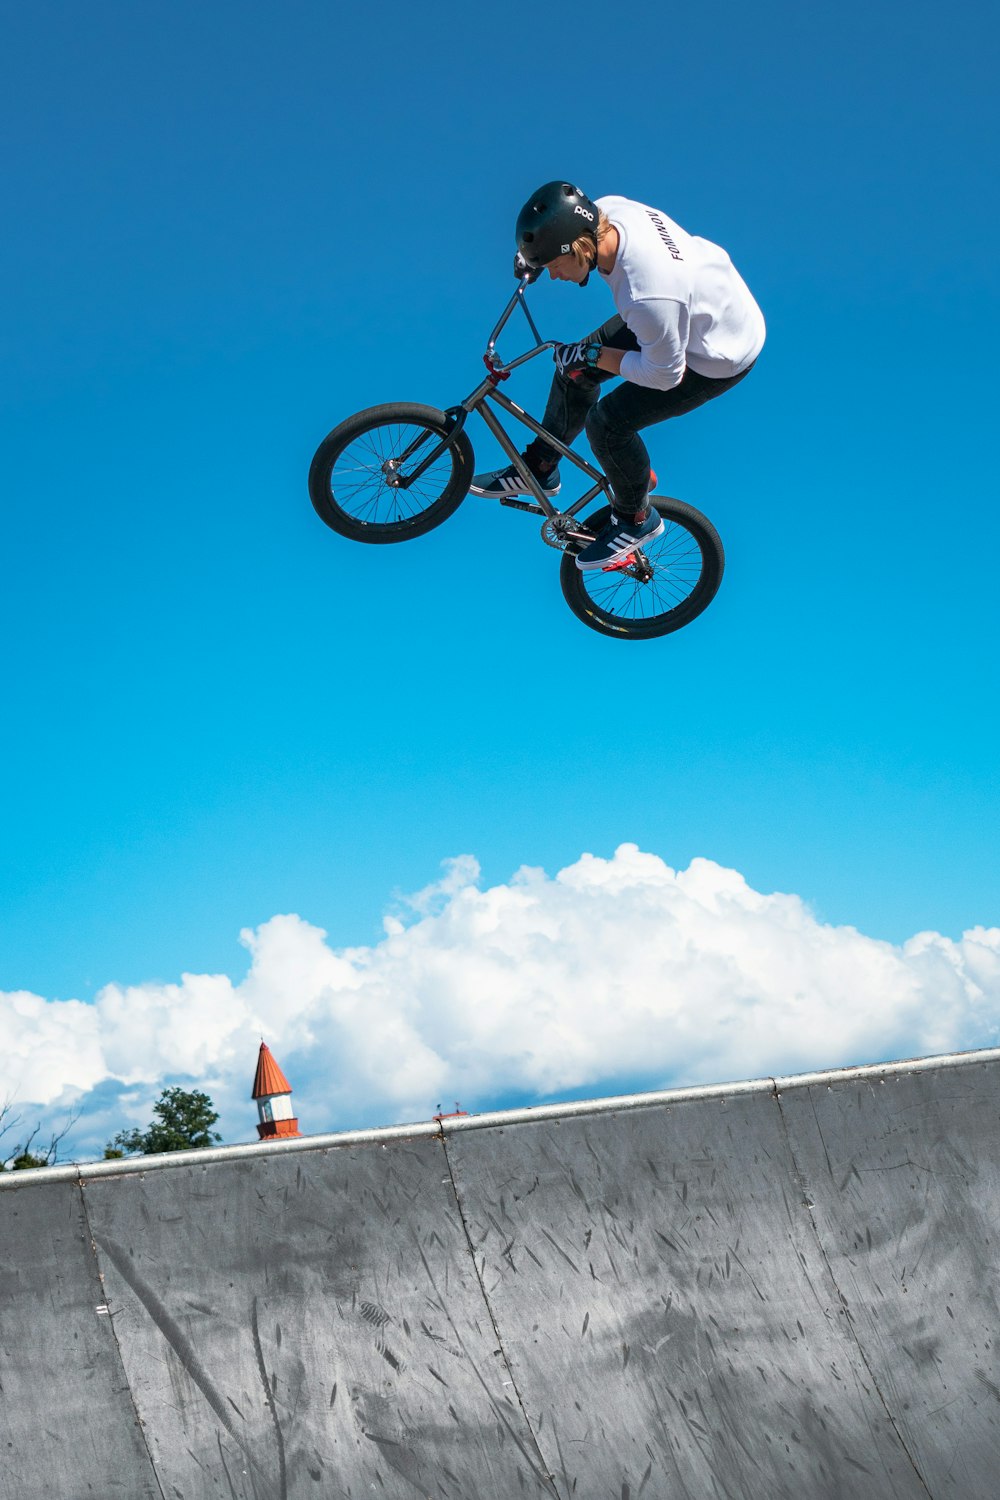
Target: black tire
<point>347,477</point>
<point>687,563</point>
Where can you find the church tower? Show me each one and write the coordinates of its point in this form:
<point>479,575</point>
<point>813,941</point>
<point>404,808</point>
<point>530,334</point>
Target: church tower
<point>273,1094</point>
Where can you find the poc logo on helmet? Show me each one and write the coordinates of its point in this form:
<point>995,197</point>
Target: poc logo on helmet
<point>583,212</point>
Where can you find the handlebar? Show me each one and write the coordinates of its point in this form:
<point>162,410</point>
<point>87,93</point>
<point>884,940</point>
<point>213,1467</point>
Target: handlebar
<point>491,357</point>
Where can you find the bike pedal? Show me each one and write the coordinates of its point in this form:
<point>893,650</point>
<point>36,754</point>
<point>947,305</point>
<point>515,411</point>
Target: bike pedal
<point>620,564</point>
<point>528,505</point>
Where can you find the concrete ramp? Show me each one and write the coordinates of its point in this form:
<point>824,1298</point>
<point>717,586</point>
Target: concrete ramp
<point>785,1288</point>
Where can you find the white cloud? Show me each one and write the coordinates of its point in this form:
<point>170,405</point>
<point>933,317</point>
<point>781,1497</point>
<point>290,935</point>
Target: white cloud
<point>616,971</point>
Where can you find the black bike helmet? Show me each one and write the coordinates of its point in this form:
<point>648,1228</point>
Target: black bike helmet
<point>551,220</point>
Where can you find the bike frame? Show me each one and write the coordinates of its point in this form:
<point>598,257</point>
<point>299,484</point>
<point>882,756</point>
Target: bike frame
<point>479,399</point>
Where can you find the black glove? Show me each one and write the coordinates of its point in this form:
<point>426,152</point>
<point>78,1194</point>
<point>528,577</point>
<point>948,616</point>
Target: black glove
<point>521,268</point>
<point>574,359</point>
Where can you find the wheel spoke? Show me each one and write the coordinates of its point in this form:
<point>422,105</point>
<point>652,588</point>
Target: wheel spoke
<point>676,563</point>
<point>358,479</point>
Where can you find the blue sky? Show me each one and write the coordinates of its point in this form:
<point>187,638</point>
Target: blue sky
<point>229,226</point>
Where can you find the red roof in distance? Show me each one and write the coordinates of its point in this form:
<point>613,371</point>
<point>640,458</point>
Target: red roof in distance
<point>269,1079</point>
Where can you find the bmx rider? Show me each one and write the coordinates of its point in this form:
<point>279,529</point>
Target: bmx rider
<point>687,328</point>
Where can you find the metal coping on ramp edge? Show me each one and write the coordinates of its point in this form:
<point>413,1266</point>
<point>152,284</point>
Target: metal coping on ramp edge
<point>382,1135</point>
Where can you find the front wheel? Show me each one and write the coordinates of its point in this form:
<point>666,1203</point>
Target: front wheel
<point>656,590</point>
<point>357,477</point>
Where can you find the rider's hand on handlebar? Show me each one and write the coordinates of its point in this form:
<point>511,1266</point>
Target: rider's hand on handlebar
<point>574,359</point>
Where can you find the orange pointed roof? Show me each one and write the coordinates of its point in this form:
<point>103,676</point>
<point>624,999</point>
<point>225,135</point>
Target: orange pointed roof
<point>269,1079</point>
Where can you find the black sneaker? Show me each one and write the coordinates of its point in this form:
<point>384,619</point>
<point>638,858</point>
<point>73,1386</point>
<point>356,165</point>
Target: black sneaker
<point>618,539</point>
<point>503,482</point>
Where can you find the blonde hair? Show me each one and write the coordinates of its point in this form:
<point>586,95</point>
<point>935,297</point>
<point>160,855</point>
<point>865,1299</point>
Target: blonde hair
<point>583,249</point>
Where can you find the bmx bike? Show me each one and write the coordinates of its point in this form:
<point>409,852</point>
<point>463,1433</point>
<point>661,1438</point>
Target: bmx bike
<point>396,471</point>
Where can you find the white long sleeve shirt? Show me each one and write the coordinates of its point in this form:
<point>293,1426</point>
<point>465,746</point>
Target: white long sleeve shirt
<point>682,297</point>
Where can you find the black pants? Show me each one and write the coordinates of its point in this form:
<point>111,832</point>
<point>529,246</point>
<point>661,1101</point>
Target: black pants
<point>613,423</point>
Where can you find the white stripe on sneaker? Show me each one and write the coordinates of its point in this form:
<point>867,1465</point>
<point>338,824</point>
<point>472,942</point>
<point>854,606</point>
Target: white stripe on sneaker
<point>504,482</point>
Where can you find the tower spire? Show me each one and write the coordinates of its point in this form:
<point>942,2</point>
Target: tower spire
<point>272,1092</point>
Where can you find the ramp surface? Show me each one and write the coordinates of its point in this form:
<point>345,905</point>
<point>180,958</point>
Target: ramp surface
<point>780,1288</point>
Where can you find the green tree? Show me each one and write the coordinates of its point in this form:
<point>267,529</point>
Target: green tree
<point>25,1161</point>
<point>184,1120</point>
<point>21,1158</point>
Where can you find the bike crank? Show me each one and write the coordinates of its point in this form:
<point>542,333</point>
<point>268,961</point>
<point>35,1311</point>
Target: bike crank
<point>565,534</point>
<point>636,565</point>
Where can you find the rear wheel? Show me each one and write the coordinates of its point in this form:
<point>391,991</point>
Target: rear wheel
<point>656,590</point>
<point>354,477</point>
